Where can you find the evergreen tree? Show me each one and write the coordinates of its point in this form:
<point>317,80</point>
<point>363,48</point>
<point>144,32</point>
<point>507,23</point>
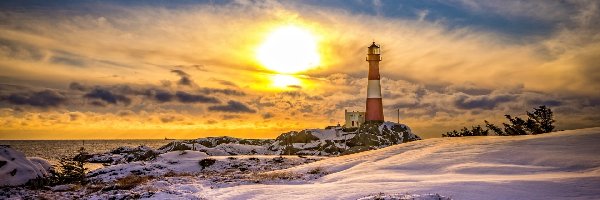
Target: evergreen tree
<point>516,126</point>
<point>494,128</point>
<point>541,120</point>
<point>478,131</point>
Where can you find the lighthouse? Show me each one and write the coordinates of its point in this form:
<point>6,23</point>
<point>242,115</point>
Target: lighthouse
<point>374,111</point>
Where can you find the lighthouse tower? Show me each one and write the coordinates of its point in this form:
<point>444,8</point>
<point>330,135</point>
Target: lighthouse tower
<point>374,105</point>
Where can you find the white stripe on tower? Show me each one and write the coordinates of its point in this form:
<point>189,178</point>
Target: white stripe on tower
<point>373,89</point>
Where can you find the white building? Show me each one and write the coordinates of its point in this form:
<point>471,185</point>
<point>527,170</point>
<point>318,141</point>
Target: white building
<point>354,119</point>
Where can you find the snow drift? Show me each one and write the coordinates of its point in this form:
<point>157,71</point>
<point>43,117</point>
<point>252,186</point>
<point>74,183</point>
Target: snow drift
<point>16,169</point>
<point>560,165</point>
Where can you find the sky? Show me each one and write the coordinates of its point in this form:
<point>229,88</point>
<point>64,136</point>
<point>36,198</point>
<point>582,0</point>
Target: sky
<point>189,69</point>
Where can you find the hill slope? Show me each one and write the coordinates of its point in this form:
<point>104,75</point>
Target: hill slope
<point>560,165</point>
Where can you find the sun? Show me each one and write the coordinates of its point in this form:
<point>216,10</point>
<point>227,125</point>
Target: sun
<point>284,81</point>
<point>289,49</point>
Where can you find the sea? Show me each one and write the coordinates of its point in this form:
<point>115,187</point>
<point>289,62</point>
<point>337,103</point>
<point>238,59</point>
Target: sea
<point>53,150</point>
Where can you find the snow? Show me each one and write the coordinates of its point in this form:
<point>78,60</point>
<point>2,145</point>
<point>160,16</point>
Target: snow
<point>561,165</point>
<point>187,162</point>
<point>16,169</point>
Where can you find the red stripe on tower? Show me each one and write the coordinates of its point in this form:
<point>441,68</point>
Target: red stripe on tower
<point>374,103</point>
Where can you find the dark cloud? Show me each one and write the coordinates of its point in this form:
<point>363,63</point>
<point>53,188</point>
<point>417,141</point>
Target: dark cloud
<point>222,91</point>
<point>68,61</point>
<point>167,119</point>
<point>107,96</point>
<point>165,83</point>
<point>227,117</point>
<point>123,113</point>
<point>180,72</point>
<point>20,50</point>
<point>196,67</point>
<point>482,101</point>
<point>537,102</point>
<point>97,103</point>
<point>469,89</point>
<point>299,94</point>
<point>267,116</point>
<point>74,116</point>
<point>185,97</point>
<point>227,83</point>
<point>232,106</point>
<point>77,86</point>
<point>184,77</point>
<point>185,81</point>
<point>314,98</point>
<point>163,96</point>
<point>45,98</point>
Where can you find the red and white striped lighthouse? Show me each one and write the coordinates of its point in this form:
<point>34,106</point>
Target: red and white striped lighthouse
<point>374,104</point>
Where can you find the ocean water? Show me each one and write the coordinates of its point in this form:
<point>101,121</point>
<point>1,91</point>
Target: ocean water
<point>53,150</point>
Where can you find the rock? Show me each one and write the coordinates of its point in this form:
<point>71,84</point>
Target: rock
<point>121,155</point>
<point>18,169</point>
<point>63,188</point>
<point>323,142</point>
<point>338,141</point>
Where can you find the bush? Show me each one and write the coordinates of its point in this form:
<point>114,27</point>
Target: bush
<point>71,170</point>
<point>130,182</point>
<point>67,171</point>
<point>207,162</point>
<point>475,131</point>
<point>275,176</point>
<point>316,170</point>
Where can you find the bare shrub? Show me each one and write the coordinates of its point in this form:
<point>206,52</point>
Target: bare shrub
<point>207,162</point>
<point>257,177</point>
<point>130,182</point>
<point>316,170</point>
<point>177,174</point>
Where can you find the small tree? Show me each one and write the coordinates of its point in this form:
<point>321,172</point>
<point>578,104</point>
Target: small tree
<point>494,128</point>
<point>478,131</point>
<point>516,126</point>
<point>540,121</point>
<point>72,170</point>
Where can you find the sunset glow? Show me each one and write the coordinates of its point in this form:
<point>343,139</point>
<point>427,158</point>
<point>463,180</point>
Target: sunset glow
<point>289,49</point>
<point>260,68</point>
<point>283,81</point>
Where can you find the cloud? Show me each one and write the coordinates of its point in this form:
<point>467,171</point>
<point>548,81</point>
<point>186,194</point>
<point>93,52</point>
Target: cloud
<point>185,97</point>
<point>441,74</point>
<point>481,101</point>
<point>267,115</point>
<point>77,86</point>
<point>74,116</point>
<point>163,96</point>
<point>45,98</point>
<point>107,96</point>
<point>123,113</point>
<point>227,83</point>
<point>167,119</point>
<point>231,92</point>
<point>233,107</point>
<point>184,77</point>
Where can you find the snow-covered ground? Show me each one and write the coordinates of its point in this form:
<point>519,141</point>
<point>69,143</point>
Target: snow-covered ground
<point>560,165</point>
